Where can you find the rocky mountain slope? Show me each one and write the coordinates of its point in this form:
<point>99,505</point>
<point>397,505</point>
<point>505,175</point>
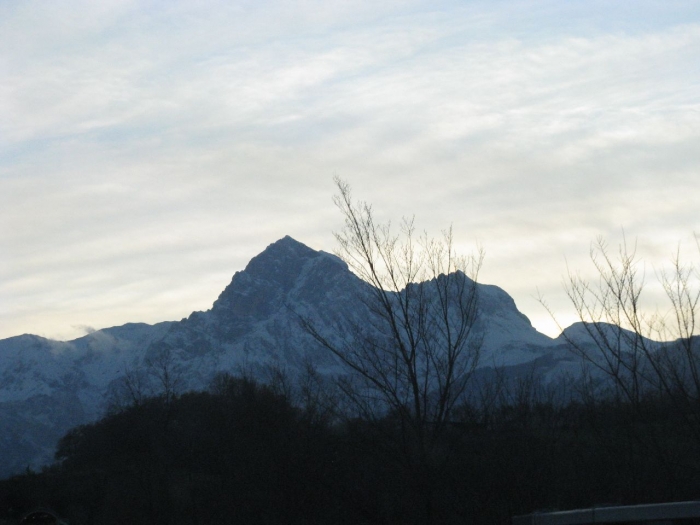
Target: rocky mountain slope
<point>47,387</point>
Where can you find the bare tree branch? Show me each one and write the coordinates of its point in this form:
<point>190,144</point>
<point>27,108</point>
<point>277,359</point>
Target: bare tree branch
<point>414,356</point>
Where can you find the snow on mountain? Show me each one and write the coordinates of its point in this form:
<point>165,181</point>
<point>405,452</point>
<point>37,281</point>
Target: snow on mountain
<point>593,333</point>
<point>47,387</point>
<point>509,337</point>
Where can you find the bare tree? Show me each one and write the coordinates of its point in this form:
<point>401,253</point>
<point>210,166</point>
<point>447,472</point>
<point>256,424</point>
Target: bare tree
<point>648,357</point>
<point>131,389</point>
<point>613,318</point>
<point>638,349</point>
<point>413,357</point>
<point>161,365</point>
<point>157,376</point>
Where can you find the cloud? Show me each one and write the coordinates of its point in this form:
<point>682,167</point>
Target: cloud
<point>84,328</point>
<point>148,152</point>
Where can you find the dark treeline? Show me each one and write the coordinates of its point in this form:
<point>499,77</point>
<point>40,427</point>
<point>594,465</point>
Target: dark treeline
<point>242,452</point>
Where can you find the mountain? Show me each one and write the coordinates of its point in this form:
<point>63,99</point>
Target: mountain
<point>47,387</point>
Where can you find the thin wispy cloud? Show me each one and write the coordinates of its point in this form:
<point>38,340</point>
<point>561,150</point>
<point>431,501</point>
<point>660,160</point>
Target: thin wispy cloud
<point>147,151</point>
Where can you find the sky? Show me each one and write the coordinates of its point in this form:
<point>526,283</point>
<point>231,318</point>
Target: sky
<point>150,149</point>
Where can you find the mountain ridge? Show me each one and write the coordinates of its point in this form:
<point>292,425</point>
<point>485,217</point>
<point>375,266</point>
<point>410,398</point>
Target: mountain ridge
<point>253,325</point>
